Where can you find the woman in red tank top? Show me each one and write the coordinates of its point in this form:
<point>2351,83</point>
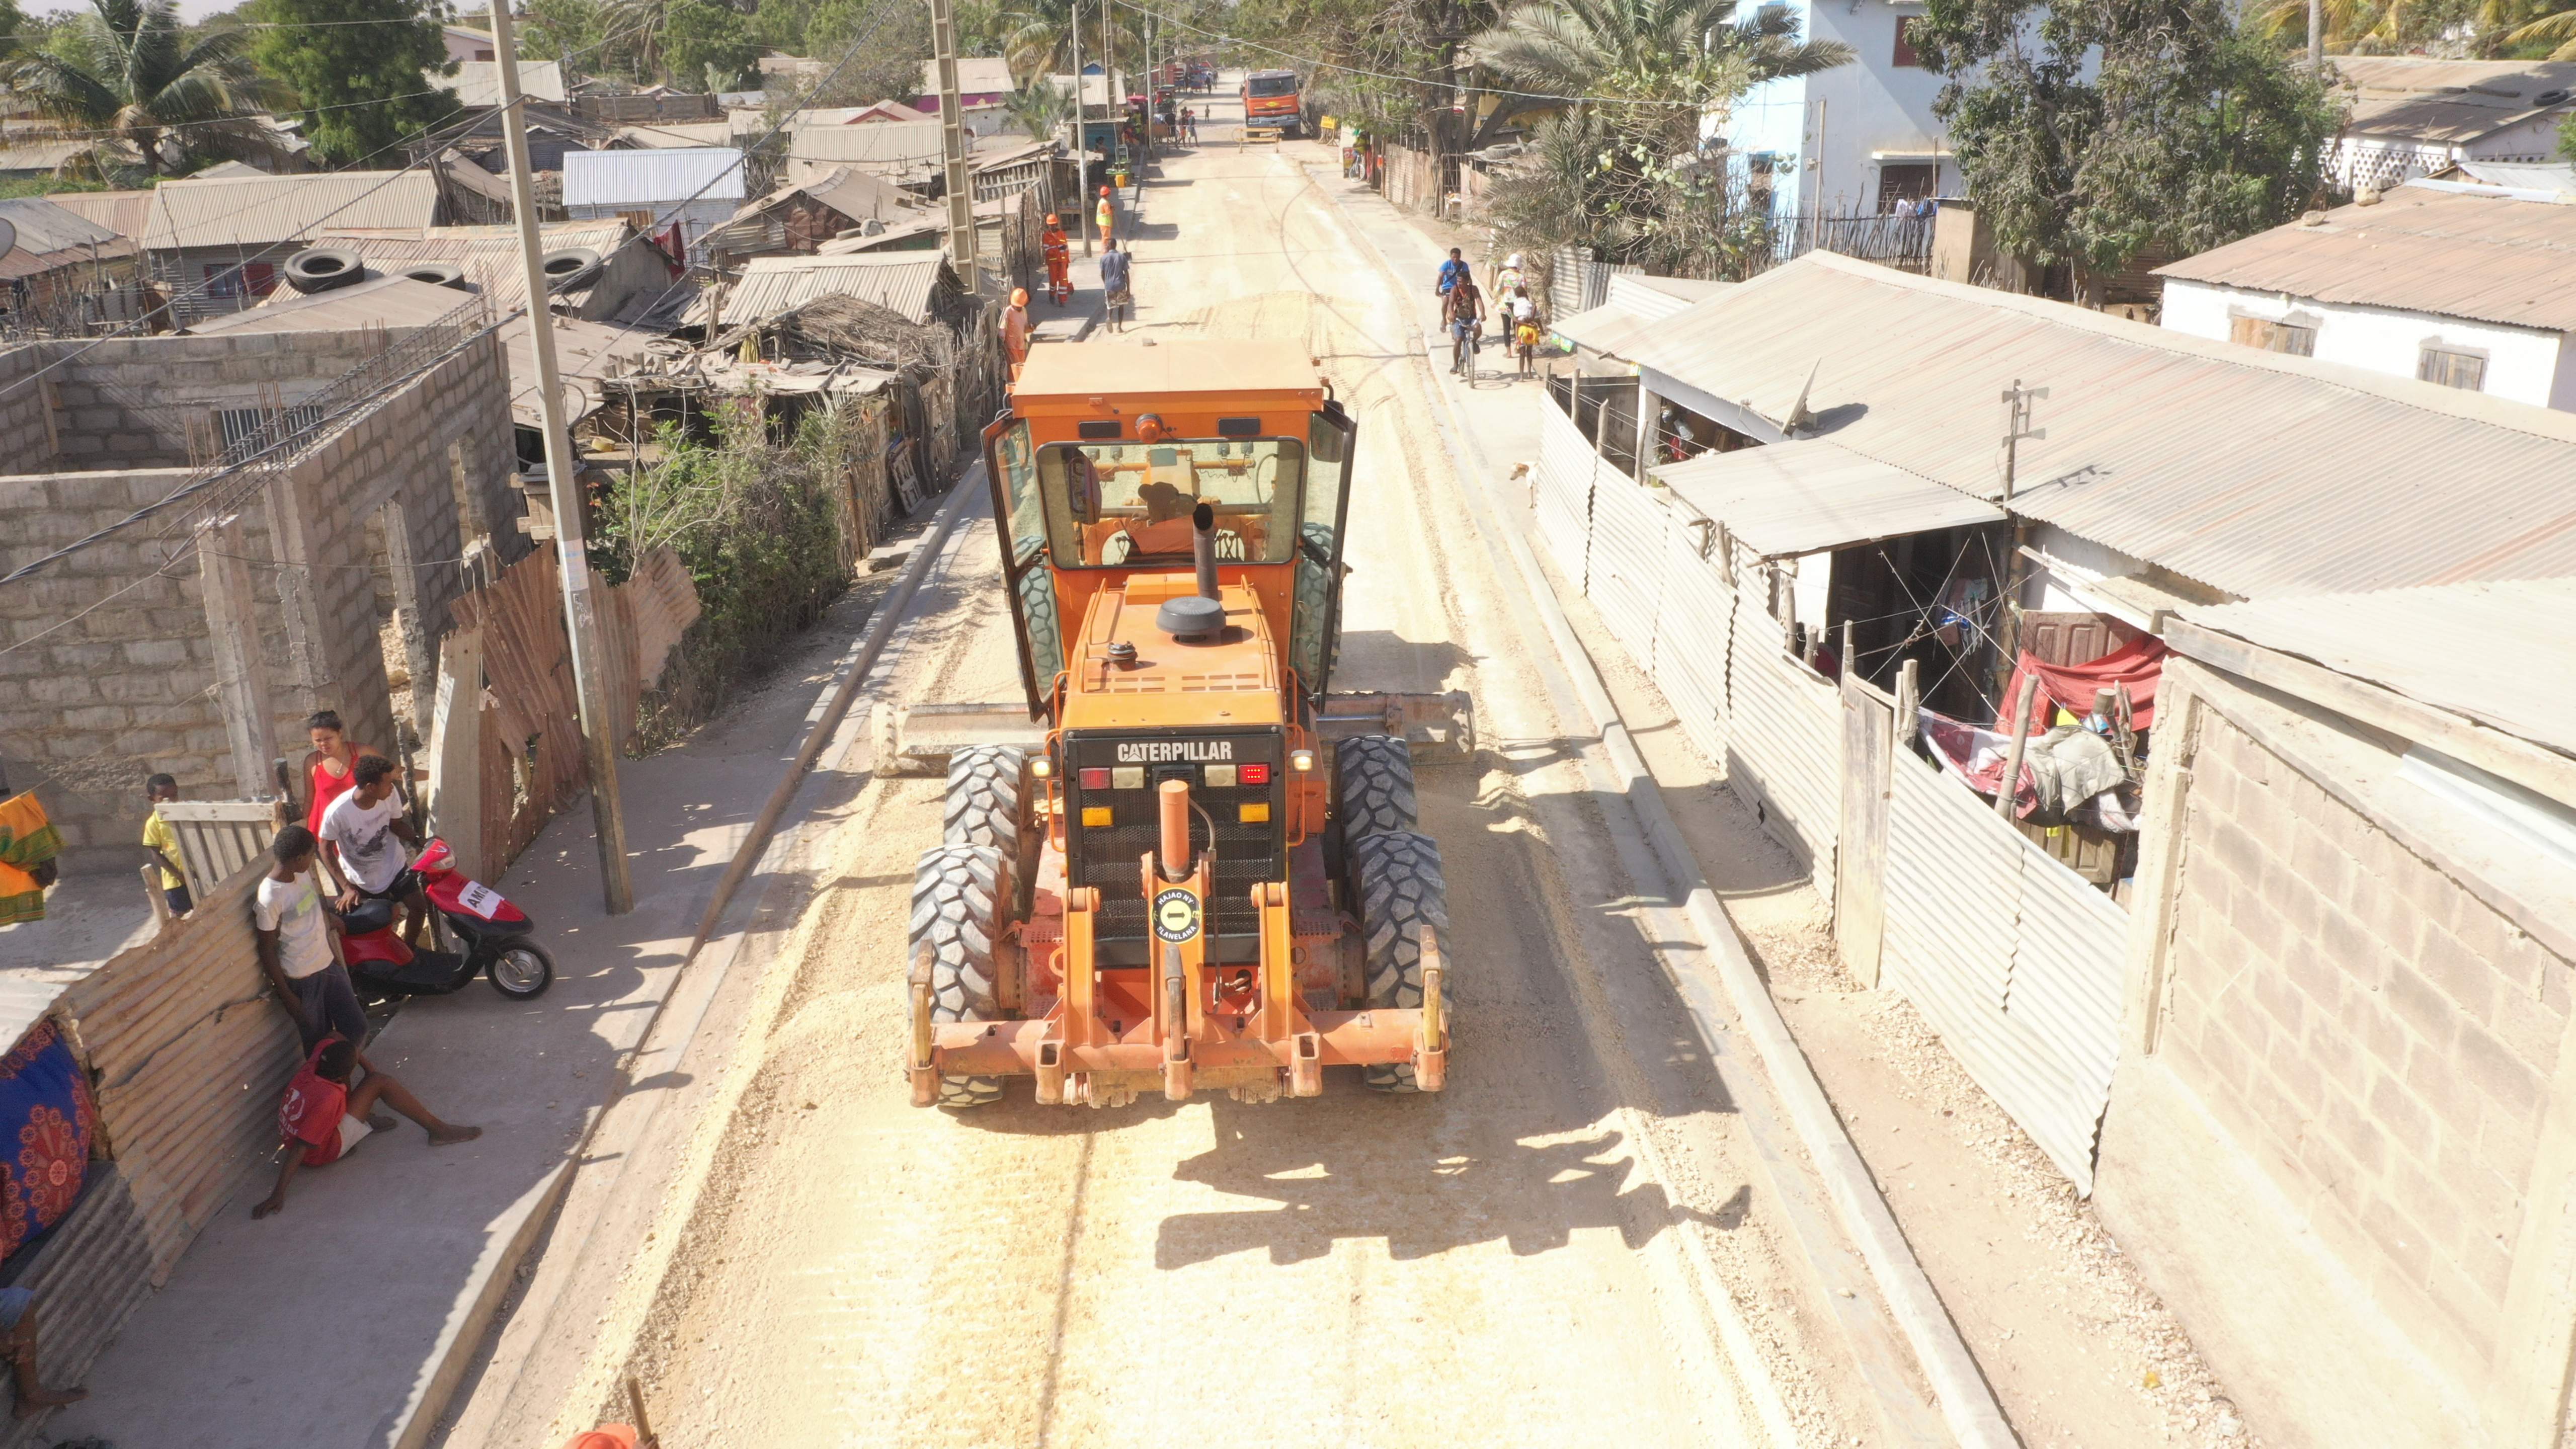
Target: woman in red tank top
<point>331,767</point>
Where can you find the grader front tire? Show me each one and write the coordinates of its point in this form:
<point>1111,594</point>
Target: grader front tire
<point>958,892</point>
<point>1401,891</point>
<point>1373,787</point>
<point>987,796</point>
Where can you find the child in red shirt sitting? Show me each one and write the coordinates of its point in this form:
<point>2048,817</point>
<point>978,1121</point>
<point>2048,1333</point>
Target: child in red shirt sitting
<point>323,1118</point>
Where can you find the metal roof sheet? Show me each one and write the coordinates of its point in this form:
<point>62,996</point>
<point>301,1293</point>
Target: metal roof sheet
<point>2467,648</point>
<point>1659,297</point>
<point>883,148</point>
<point>2421,249</point>
<point>2448,100</point>
<point>900,282</point>
<point>266,210</point>
<point>488,255</point>
<point>125,213</point>
<point>477,83</point>
<point>44,227</point>
<point>2254,472</point>
<point>2556,177</point>
<point>1609,329</point>
<point>1794,498</point>
<point>584,351</point>
<point>652,177</point>
<point>677,135</point>
<point>977,75</point>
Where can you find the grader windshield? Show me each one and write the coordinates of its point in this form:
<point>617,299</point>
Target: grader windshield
<point>1114,505</point>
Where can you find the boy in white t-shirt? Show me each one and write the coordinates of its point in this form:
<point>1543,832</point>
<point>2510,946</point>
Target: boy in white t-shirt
<point>299,945</point>
<point>370,841</point>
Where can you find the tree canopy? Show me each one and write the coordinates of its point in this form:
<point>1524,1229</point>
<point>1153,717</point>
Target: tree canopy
<point>128,69</point>
<point>2190,133</point>
<point>359,88</point>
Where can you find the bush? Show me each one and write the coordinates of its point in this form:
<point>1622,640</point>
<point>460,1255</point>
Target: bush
<point>756,525</point>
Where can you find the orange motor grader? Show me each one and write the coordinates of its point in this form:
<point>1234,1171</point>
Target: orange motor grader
<point>1189,866</point>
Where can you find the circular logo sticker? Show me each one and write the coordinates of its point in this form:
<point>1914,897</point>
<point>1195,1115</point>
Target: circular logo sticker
<point>1176,915</point>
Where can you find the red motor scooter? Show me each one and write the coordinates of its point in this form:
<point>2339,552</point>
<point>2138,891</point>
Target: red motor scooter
<point>495,936</point>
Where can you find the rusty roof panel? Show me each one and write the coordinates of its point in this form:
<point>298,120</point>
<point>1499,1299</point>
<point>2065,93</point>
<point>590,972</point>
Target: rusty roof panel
<point>2420,248</point>
<point>2256,473</point>
<point>2450,100</point>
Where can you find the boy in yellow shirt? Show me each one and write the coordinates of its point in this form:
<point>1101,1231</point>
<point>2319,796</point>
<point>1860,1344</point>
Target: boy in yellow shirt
<point>163,842</point>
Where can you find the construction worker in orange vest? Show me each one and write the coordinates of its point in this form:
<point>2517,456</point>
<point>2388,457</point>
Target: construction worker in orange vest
<point>1059,261</point>
<point>1107,215</point>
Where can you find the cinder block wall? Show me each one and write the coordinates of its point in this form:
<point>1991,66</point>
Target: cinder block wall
<point>2376,1036</point>
<point>107,696</point>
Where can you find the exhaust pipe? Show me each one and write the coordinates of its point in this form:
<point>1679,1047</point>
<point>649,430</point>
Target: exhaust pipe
<point>1203,548</point>
<point>1174,798</point>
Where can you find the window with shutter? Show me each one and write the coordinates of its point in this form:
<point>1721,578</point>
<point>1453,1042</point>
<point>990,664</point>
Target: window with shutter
<point>2452,369</point>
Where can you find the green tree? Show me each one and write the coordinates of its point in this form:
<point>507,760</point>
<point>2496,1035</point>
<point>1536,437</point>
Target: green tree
<point>555,29</point>
<point>2191,133</point>
<point>878,45</point>
<point>360,89</point>
<point>1039,107</point>
<point>704,38</point>
<point>127,69</point>
<point>2567,139</point>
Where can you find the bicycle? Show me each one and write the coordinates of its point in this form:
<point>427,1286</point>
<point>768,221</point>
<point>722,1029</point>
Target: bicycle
<point>1462,349</point>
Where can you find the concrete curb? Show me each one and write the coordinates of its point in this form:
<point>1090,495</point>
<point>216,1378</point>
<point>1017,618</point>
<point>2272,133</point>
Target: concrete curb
<point>1966,1401</point>
<point>669,1033</point>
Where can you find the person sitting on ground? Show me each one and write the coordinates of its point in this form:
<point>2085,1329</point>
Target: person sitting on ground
<point>369,838</point>
<point>299,945</point>
<point>1167,527</point>
<point>18,1321</point>
<point>322,1118</point>
<point>163,842</point>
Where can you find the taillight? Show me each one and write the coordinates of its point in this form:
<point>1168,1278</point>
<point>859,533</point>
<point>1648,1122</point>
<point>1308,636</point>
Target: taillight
<point>1095,779</point>
<point>1253,774</point>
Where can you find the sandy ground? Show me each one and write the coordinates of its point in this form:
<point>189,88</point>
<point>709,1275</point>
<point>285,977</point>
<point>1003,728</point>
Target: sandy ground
<point>1566,1245</point>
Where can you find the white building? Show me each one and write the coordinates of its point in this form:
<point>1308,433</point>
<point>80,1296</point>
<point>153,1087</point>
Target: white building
<point>697,187</point>
<point>2469,286</point>
<point>2412,115</point>
<point>1860,136</point>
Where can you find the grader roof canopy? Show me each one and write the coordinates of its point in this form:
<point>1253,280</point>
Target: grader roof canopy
<point>1135,374</point>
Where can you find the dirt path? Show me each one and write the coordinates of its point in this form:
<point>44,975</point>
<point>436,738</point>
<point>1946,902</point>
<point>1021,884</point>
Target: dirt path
<point>1566,1246</point>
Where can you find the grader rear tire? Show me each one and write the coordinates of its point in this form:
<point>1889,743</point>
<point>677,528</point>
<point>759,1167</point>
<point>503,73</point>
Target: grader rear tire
<point>988,790</point>
<point>1373,780</point>
<point>958,892</point>
<point>1400,892</point>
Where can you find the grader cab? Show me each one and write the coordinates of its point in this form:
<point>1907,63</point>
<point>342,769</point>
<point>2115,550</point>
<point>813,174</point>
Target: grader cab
<point>1181,862</point>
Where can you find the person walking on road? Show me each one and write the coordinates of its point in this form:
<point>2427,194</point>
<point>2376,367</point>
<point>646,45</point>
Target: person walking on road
<point>1464,312</point>
<point>1059,261</point>
<point>1115,285</point>
<point>1106,215</point>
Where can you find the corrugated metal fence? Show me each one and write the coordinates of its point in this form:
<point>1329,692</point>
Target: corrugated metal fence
<point>2014,959</point>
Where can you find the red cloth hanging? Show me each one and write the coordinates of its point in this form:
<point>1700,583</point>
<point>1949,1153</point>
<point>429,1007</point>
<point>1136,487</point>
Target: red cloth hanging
<point>2137,664</point>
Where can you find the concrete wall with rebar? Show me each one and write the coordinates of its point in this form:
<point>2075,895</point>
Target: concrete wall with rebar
<point>107,668</point>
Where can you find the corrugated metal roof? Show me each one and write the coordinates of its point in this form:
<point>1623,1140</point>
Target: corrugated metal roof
<point>2448,100</point>
<point>671,135</point>
<point>2557,178</point>
<point>264,211</point>
<point>489,255</point>
<point>1794,498</point>
<point>2495,652</point>
<point>638,179</point>
<point>900,282</point>
<point>1660,297</point>
<point>584,351</point>
<point>477,83</point>
<point>2254,472</point>
<point>2421,249</point>
<point>1609,329</point>
<point>883,148</point>
<point>977,75</point>
<point>45,227</point>
<point>125,213</point>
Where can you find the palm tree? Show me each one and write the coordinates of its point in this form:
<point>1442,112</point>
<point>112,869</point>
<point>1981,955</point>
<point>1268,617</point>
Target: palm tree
<point>1649,50</point>
<point>131,72</point>
<point>1037,107</point>
<point>2559,30</point>
<point>1038,36</point>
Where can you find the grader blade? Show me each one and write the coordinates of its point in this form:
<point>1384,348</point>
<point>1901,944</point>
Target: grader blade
<point>1433,724</point>
<point>917,739</point>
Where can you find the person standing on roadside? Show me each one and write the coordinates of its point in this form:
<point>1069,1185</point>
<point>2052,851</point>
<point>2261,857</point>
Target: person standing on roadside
<point>163,842</point>
<point>1106,215</point>
<point>1015,330</point>
<point>1116,280</point>
<point>327,769</point>
<point>299,945</point>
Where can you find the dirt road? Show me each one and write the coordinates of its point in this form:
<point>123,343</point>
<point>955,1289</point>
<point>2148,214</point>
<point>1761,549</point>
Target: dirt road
<point>1568,1245</point>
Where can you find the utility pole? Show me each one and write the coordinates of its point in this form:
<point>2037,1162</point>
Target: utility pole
<point>1110,91</point>
<point>2316,37</point>
<point>2008,602</point>
<point>1081,135</point>
<point>581,605</point>
<point>952,140</point>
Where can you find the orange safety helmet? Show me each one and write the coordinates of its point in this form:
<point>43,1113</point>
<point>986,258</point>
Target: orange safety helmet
<point>1051,221</point>
<point>1019,296</point>
<point>1104,191</point>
